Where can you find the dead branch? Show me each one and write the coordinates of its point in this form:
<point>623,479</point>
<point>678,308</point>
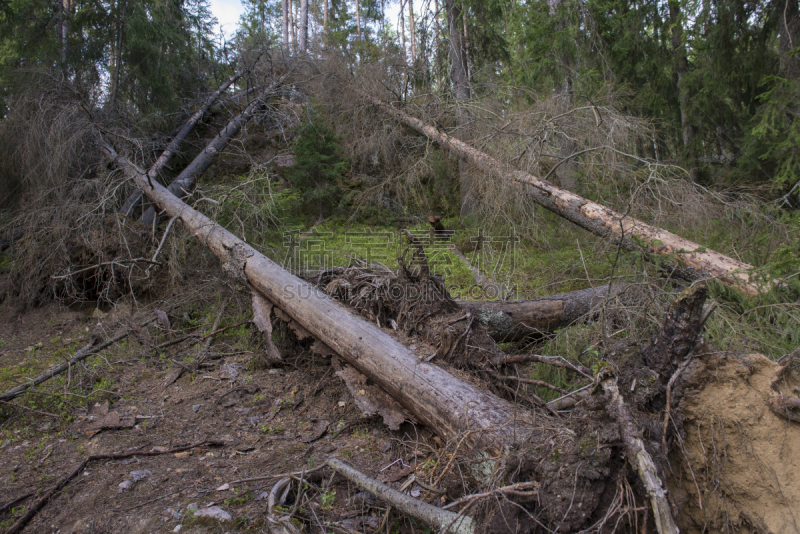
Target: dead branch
<point>640,459</point>
<point>555,361</point>
<point>431,515</point>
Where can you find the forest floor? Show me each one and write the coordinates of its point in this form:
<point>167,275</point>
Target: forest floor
<point>269,422</point>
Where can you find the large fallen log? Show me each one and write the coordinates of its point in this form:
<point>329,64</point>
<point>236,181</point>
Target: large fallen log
<point>447,405</point>
<point>600,220</point>
<point>180,137</point>
<point>516,320</point>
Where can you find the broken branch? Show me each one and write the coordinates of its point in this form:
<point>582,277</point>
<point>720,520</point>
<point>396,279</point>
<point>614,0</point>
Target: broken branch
<point>431,515</point>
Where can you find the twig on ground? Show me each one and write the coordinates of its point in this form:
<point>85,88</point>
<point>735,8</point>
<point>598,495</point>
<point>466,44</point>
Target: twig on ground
<point>521,489</point>
<point>555,361</point>
<point>148,502</point>
<point>14,502</point>
<point>281,475</point>
<point>531,381</point>
<point>15,405</point>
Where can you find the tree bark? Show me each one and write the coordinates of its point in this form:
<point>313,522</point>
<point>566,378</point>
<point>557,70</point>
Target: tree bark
<point>516,320</point>
<point>180,136</point>
<point>325,19</point>
<point>598,219</point>
<point>186,181</point>
<point>303,26</point>
<point>447,405</point>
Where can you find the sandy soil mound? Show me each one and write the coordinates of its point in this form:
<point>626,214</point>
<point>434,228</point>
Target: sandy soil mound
<point>743,473</point>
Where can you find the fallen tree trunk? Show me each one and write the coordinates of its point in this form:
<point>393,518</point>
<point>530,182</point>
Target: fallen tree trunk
<point>516,320</point>
<point>187,179</point>
<point>598,219</point>
<point>447,405</point>
<point>180,137</point>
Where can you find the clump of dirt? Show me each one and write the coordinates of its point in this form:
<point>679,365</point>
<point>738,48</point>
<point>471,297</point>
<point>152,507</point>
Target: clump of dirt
<point>738,465</point>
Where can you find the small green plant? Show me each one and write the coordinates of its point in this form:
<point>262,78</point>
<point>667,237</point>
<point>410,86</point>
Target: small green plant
<point>328,499</point>
<point>361,433</point>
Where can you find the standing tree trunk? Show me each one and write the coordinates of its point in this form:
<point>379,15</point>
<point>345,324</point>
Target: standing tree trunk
<point>293,26</point>
<point>403,31</point>
<point>325,19</point>
<point>413,30</point>
<point>358,19</point>
<point>790,39</point>
<point>303,26</point>
<point>117,53</point>
<point>598,219</point>
<point>682,69</point>
<point>460,78</point>
<point>437,45</point>
<point>63,30</point>
<point>565,173</point>
<point>285,25</point>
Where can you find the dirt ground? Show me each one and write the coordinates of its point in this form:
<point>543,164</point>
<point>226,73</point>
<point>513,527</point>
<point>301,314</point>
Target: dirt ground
<point>744,468</point>
<point>269,422</point>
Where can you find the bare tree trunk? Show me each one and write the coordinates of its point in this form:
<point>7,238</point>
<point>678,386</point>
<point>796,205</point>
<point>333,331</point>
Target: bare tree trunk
<point>413,30</point>
<point>293,26</point>
<point>449,406</point>
<point>682,69</point>
<point>285,25</point>
<point>180,136</point>
<point>460,78</point>
<point>325,19</point>
<point>790,39</point>
<point>63,30</point>
<point>437,45</point>
<point>303,26</point>
<point>591,216</point>
<point>187,179</point>
<point>118,52</point>
<point>403,31</point>
<point>466,40</point>
<point>358,19</point>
